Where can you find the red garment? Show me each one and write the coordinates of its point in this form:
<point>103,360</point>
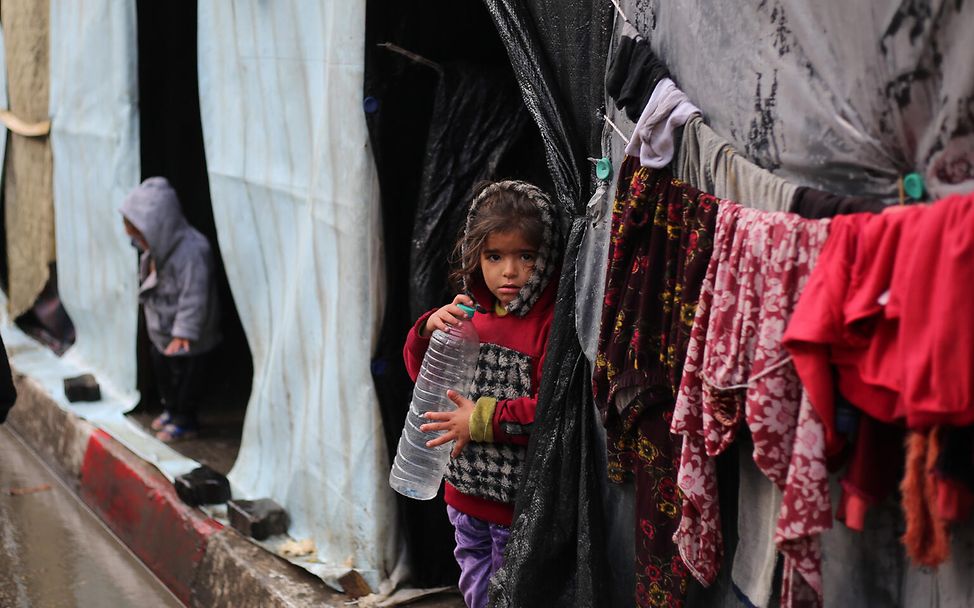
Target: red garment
<point>527,335</point>
<point>931,296</point>
<point>886,306</point>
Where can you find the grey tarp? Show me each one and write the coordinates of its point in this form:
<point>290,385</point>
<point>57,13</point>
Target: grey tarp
<point>296,207</point>
<point>29,202</point>
<point>845,97</point>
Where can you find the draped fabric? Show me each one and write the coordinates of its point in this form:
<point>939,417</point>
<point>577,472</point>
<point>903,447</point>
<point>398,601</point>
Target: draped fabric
<point>662,238</point>
<point>295,201</point>
<point>95,141</point>
<point>737,373</point>
<point>28,198</point>
<point>478,117</point>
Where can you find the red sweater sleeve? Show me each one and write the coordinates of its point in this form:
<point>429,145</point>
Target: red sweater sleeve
<point>416,346</point>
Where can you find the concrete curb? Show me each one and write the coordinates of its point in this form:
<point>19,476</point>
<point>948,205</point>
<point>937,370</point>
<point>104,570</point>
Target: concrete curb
<point>140,505</point>
<point>203,563</point>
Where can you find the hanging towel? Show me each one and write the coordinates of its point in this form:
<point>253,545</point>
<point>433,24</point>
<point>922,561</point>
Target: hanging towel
<point>738,371</point>
<point>707,162</point>
<point>668,109</point>
<point>660,246</point>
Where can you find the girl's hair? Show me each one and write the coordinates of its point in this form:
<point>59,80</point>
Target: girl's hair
<point>502,210</point>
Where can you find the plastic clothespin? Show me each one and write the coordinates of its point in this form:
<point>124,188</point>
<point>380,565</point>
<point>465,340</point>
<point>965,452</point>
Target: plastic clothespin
<point>603,168</point>
<point>913,186</point>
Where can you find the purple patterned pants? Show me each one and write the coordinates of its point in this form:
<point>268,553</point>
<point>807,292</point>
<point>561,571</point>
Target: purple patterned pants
<point>480,553</point>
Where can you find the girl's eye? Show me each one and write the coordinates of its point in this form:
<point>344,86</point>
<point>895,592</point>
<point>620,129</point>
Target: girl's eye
<point>493,257</point>
<point>528,257</point>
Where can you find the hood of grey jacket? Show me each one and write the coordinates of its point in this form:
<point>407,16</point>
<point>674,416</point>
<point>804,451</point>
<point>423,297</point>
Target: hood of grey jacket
<point>179,299</point>
<point>153,208</point>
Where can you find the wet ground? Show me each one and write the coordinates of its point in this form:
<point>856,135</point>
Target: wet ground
<point>217,443</point>
<point>54,553</point>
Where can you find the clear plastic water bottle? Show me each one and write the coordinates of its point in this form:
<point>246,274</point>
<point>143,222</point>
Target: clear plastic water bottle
<point>449,364</point>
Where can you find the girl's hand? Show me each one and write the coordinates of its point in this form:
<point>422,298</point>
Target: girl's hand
<point>451,314</point>
<point>455,423</point>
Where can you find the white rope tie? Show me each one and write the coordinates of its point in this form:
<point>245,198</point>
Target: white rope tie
<point>750,381</point>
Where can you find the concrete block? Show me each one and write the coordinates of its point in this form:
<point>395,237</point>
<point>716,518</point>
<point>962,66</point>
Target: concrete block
<point>202,486</point>
<point>354,585</point>
<point>82,388</point>
<point>258,518</point>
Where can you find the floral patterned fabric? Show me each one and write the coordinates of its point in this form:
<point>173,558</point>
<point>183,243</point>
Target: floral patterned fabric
<point>660,246</point>
<point>737,372</point>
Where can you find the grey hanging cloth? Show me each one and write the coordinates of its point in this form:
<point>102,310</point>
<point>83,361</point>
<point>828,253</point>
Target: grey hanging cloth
<point>478,119</point>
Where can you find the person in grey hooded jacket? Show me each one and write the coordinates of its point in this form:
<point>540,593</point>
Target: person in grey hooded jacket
<point>178,294</point>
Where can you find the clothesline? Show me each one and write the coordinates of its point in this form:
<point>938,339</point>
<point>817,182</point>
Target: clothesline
<point>615,3</point>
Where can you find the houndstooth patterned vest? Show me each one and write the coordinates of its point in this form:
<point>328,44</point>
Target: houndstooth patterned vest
<point>493,470</point>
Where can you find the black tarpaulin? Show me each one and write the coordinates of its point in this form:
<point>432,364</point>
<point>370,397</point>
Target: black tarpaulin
<point>555,554</point>
<point>478,119</point>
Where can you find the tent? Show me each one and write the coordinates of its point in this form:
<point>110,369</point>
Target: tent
<point>318,145</point>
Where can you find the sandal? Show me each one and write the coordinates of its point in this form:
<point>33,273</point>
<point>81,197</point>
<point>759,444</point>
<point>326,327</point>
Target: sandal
<point>174,432</point>
<point>161,421</point>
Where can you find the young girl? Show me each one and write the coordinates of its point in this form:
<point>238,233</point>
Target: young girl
<point>508,258</point>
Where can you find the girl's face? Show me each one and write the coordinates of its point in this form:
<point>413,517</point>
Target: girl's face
<point>506,262</point>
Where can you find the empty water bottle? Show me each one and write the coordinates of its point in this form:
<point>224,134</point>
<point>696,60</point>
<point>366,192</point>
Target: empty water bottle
<point>449,364</point>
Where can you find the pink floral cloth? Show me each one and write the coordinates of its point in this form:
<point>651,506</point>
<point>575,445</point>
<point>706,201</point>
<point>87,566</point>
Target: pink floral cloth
<point>737,371</point>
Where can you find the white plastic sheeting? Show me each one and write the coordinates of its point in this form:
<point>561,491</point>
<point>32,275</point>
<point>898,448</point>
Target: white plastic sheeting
<point>95,144</point>
<point>295,200</point>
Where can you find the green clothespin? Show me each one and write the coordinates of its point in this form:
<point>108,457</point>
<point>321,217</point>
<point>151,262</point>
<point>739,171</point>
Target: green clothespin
<point>603,169</point>
<point>913,186</point>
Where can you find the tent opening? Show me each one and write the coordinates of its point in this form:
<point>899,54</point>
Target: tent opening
<point>172,146</point>
<point>444,113</point>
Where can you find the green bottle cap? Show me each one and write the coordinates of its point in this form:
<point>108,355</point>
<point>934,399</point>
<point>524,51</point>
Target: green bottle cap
<point>603,169</point>
<point>913,185</point>
<point>471,311</point>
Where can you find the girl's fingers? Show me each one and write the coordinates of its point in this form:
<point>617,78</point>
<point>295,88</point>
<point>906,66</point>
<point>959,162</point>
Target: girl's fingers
<point>444,438</point>
<point>433,427</point>
<point>456,312</point>
<point>437,415</point>
<point>457,398</point>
